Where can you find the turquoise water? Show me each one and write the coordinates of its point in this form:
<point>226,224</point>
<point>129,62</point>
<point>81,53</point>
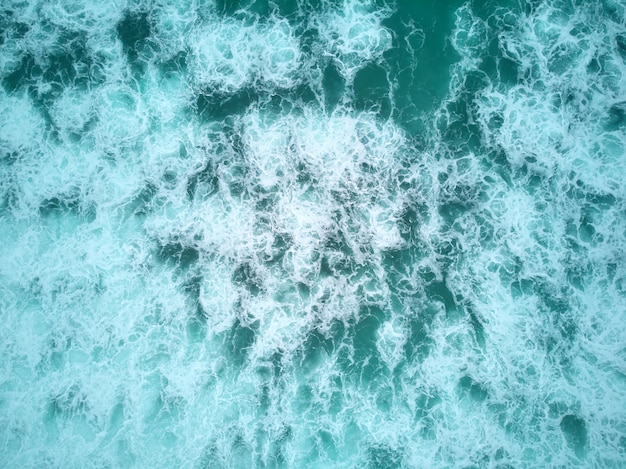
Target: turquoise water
<point>313,234</point>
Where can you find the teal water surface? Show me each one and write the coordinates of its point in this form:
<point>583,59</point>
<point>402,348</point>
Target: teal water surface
<point>313,234</point>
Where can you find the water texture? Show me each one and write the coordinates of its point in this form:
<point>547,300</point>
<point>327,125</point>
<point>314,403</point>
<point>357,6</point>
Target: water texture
<point>313,234</point>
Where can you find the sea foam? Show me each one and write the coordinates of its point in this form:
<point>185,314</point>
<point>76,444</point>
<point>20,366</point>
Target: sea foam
<point>238,234</point>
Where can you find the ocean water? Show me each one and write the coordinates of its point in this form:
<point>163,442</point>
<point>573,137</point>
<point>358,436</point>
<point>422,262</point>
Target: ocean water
<point>313,233</point>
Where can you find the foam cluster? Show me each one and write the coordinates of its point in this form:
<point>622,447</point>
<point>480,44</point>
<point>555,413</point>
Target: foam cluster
<point>229,55</point>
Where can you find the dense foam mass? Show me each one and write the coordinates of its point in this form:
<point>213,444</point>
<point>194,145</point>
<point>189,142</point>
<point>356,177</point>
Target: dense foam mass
<point>227,242</point>
<point>230,54</point>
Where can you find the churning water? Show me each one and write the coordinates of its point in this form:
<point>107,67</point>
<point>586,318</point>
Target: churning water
<point>313,234</point>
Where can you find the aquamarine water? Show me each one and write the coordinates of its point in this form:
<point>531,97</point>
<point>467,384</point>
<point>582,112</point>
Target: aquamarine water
<point>313,234</point>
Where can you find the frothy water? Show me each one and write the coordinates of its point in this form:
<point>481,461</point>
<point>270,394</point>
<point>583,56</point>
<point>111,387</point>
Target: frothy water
<point>313,234</point>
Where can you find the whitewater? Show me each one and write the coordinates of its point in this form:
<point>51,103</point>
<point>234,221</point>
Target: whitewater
<point>313,234</point>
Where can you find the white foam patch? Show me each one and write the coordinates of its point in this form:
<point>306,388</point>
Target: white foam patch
<point>341,155</point>
<point>167,100</point>
<point>121,116</point>
<point>354,35</point>
<point>172,24</point>
<point>303,214</point>
<point>81,15</point>
<point>20,127</point>
<point>535,290</point>
<point>385,231</point>
<point>392,337</point>
<point>470,36</point>
<point>73,111</point>
<point>230,54</point>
